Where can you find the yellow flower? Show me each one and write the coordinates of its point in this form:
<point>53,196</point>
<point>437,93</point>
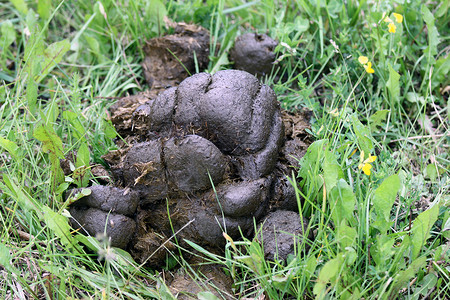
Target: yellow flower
<point>365,165</point>
<point>363,60</point>
<point>368,68</point>
<point>392,27</point>
<point>398,17</point>
<point>366,63</point>
<point>387,20</point>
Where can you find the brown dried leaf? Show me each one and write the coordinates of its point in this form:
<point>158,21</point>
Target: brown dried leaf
<point>143,169</point>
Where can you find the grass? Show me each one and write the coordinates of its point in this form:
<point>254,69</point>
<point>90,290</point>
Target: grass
<point>378,236</point>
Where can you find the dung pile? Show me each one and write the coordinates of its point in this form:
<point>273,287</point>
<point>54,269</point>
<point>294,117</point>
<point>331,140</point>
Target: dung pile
<point>202,158</point>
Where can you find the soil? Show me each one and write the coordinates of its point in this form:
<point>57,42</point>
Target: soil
<point>184,286</point>
<point>280,232</point>
<point>170,59</point>
<point>254,53</point>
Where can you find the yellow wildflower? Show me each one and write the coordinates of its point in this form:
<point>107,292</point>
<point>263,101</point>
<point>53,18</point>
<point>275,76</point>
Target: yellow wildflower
<point>368,68</point>
<point>398,17</point>
<point>363,60</point>
<point>366,63</point>
<point>387,20</point>
<point>365,165</point>
<point>392,27</point>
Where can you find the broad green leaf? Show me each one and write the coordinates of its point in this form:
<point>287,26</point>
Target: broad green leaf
<point>312,158</point>
<point>5,259</point>
<point>74,197</point>
<point>75,44</point>
<point>433,35</point>
<point>31,93</point>
<point>383,200</point>
<point>433,171</point>
<point>20,5</point>
<point>345,236</point>
<point>311,265</point>
<point>301,25</point>
<point>11,147</point>
<point>332,171</point>
<point>31,22</point>
<point>342,202</point>
<point>81,176</point>
<point>44,8</point>
<point>62,188</point>
<point>52,113</point>
<point>363,136</point>
<point>53,54</point>
<point>334,8</point>
<point>164,291</point>
<point>427,283</point>
<point>89,241</point>
<point>83,156</point>
<point>125,259</point>
<point>443,8</point>
<point>382,250</point>
<point>350,256</point>
<point>207,296</point>
<point>403,277</point>
<point>414,98</point>
<point>393,85</point>
<point>440,72</point>
<point>327,275</point>
<point>446,221</point>
<point>18,194</point>
<point>57,173</point>
<point>7,78</point>
<point>377,119</point>
<point>257,256</point>
<point>8,34</point>
<point>51,142</point>
<point>58,224</point>
<point>34,49</point>
<point>73,118</point>
<point>156,11</point>
<point>421,229</point>
<point>108,129</point>
<point>53,269</point>
<point>94,46</point>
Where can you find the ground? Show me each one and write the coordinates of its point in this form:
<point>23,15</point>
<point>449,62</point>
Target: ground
<point>363,92</point>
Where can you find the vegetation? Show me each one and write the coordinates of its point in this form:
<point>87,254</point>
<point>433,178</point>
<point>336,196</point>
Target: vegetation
<point>375,182</point>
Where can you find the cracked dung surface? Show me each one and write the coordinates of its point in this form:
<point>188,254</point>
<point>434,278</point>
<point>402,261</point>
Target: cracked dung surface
<point>254,53</point>
<point>281,231</point>
<point>223,130</point>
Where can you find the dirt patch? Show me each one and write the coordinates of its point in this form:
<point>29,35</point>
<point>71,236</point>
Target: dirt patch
<point>254,53</point>
<point>205,157</point>
<point>184,286</point>
<point>282,231</point>
<point>170,59</point>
